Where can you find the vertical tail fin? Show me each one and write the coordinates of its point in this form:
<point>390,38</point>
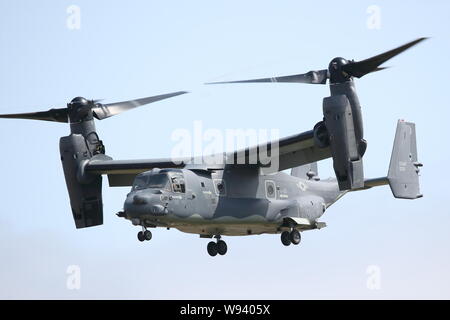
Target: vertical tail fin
<point>403,175</point>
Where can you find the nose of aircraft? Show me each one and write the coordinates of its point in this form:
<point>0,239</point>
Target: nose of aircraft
<point>158,209</point>
<point>145,203</point>
<point>139,199</point>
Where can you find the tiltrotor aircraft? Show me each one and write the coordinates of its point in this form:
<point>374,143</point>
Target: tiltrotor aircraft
<point>245,194</point>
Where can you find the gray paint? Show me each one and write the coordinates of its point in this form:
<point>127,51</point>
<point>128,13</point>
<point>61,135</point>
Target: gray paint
<point>246,205</point>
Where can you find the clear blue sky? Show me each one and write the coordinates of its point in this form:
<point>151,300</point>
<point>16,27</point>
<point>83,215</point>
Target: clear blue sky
<point>130,49</point>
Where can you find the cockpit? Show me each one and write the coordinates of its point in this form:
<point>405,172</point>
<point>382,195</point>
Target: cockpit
<point>167,180</point>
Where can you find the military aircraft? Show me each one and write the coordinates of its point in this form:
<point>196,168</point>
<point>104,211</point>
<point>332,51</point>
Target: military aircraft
<point>247,192</point>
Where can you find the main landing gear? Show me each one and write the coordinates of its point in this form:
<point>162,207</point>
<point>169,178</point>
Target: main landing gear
<point>144,235</point>
<point>293,237</point>
<point>219,247</point>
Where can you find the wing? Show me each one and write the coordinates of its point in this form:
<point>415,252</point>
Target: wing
<point>275,156</point>
<point>289,152</point>
<point>121,173</point>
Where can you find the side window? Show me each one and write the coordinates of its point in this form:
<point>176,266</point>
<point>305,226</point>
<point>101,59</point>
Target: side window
<point>220,188</point>
<point>271,192</point>
<point>178,184</point>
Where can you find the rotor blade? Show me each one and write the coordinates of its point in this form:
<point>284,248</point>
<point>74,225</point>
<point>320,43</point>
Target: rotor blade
<point>313,77</point>
<point>57,115</point>
<point>361,68</point>
<point>103,111</point>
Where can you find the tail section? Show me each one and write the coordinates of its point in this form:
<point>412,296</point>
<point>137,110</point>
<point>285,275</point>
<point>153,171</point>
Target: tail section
<point>403,175</point>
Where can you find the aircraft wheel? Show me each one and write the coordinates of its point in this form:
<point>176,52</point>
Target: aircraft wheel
<point>212,248</point>
<point>141,236</point>
<point>285,238</point>
<point>295,237</point>
<point>147,235</point>
<point>222,247</point>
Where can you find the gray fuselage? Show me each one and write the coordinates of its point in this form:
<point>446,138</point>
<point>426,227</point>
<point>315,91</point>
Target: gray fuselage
<point>227,202</point>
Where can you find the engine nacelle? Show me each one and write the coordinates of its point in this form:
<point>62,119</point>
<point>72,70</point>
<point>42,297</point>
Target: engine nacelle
<point>321,136</point>
<point>85,193</point>
<point>339,123</point>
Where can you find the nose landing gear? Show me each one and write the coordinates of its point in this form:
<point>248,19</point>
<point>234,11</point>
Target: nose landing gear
<point>144,235</point>
<point>219,247</point>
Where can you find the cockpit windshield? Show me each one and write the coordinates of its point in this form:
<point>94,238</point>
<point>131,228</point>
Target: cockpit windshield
<point>140,182</point>
<point>154,181</point>
<point>158,181</point>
